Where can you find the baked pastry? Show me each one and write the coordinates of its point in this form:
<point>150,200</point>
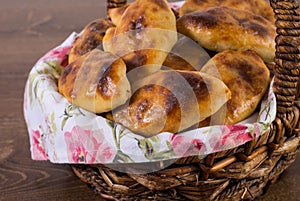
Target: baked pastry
<point>96,82</point>
<point>222,28</point>
<point>176,62</point>
<point>186,55</point>
<point>90,38</point>
<point>115,14</point>
<point>247,77</point>
<point>144,36</point>
<point>171,101</point>
<point>258,7</point>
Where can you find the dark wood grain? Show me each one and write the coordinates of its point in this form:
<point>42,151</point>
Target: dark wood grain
<point>27,31</point>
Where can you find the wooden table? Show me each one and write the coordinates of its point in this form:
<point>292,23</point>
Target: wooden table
<point>28,30</point>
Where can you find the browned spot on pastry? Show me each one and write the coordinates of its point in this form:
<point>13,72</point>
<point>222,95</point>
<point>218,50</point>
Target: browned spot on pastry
<point>258,29</point>
<point>176,62</point>
<point>171,103</point>
<point>106,85</point>
<point>173,111</point>
<point>138,23</point>
<point>89,42</point>
<point>154,9</point>
<point>203,20</point>
<point>69,70</point>
<point>148,87</point>
<point>135,59</point>
<point>165,104</point>
<point>63,76</point>
<point>198,85</point>
<point>245,71</point>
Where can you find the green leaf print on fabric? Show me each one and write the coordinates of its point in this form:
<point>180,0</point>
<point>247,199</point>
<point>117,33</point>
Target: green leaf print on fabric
<point>32,78</point>
<point>266,112</point>
<point>118,134</point>
<point>55,69</point>
<point>70,111</point>
<point>52,68</point>
<point>52,122</point>
<point>147,146</point>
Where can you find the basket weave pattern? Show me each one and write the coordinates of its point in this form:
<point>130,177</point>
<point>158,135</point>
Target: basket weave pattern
<point>243,173</point>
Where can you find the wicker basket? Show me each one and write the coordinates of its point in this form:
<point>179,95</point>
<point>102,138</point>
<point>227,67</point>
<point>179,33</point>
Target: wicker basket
<point>240,174</point>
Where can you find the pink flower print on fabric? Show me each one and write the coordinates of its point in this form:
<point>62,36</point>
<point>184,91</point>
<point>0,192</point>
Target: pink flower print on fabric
<point>238,133</point>
<point>79,154</point>
<point>38,146</point>
<point>86,146</point>
<point>60,54</point>
<point>183,146</point>
<point>231,136</point>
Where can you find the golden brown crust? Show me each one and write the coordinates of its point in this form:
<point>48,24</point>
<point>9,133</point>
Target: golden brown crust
<point>258,7</point>
<point>90,38</point>
<point>115,14</point>
<point>96,82</point>
<point>67,79</point>
<point>143,107</point>
<point>246,76</point>
<point>175,62</point>
<point>140,36</point>
<point>222,28</point>
<point>186,55</point>
<point>147,14</point>
<point>171,101</point>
